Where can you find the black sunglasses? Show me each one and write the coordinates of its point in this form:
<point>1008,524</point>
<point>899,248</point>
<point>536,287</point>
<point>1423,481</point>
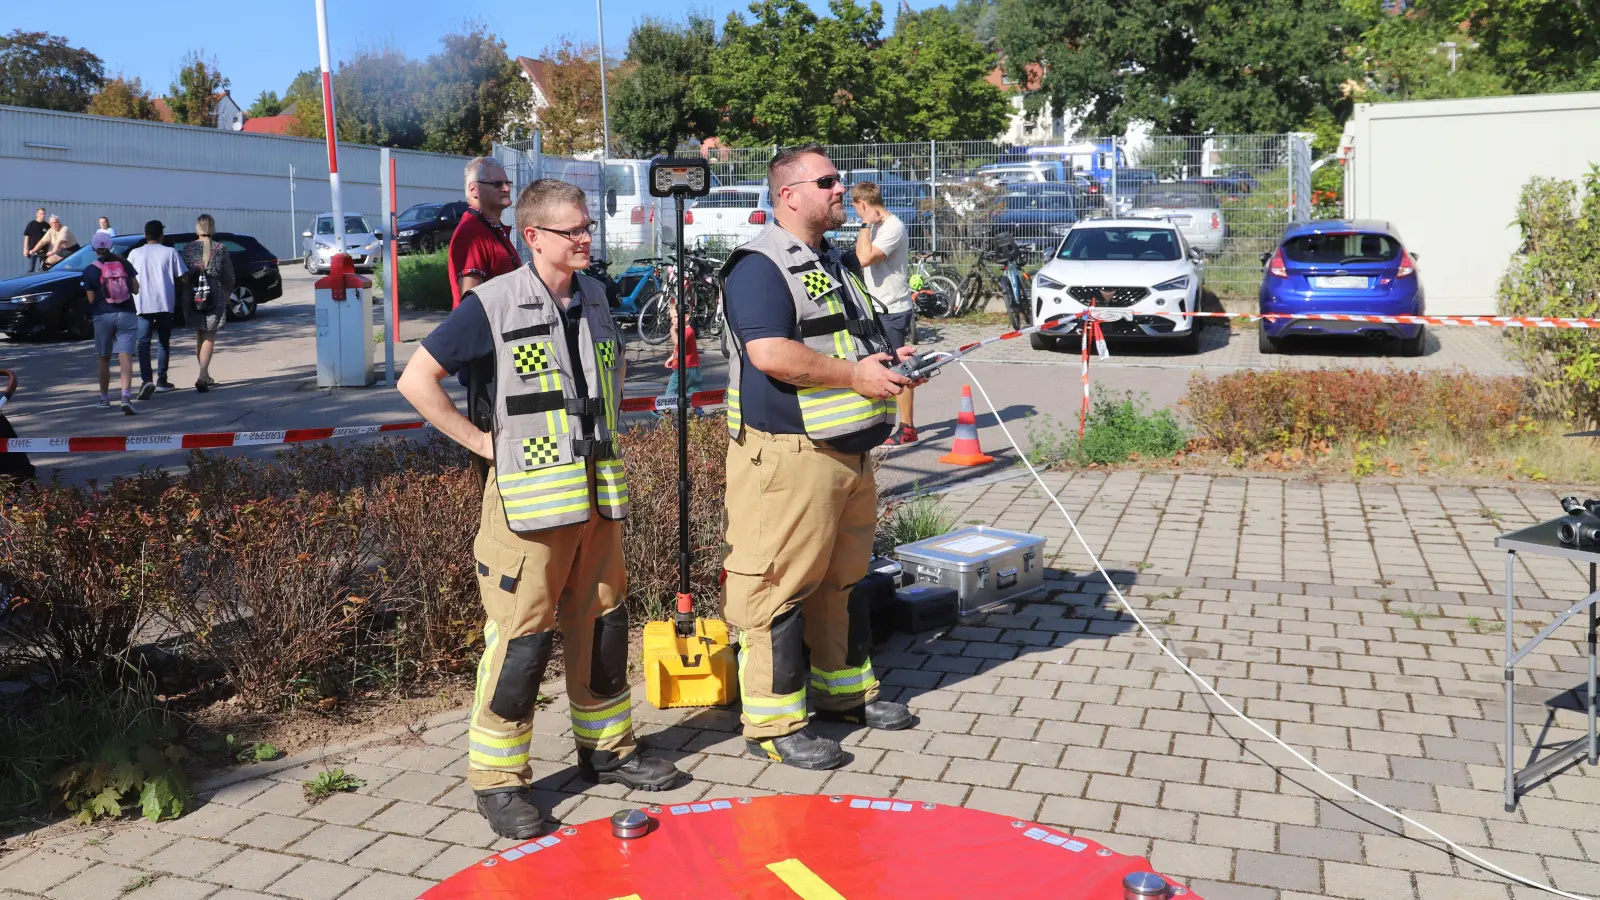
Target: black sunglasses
<point>826,182</point>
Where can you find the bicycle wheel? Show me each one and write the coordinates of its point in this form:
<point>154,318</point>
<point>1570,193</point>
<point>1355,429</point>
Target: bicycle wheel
<point>1014,310</point>
<point>655,321</point>
<point>948,295</point>
<point>971,293</point>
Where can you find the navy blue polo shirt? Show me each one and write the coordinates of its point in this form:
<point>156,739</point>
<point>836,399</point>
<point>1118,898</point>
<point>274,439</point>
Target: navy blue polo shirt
<point>760,306</point>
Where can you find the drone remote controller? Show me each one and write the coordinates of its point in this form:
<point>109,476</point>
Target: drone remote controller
<point>919,366</point>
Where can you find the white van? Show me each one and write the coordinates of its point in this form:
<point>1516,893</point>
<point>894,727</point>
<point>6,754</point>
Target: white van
<point>631,213</point>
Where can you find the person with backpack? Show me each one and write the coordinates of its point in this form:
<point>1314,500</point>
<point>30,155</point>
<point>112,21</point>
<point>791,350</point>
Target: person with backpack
<point>111,282</point>
<point>211,281</point>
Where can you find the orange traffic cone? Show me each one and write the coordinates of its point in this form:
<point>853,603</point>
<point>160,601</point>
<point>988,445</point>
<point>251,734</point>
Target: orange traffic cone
<point>965,451</point>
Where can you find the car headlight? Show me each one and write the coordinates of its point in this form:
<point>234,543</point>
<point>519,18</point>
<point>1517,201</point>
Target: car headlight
<point>1181,283</point>
<point>408,233</point>
<point>31,298</point>
<point>1047,283</point>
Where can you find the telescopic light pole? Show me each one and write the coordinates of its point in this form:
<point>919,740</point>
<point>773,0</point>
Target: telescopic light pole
<point>680,179</point>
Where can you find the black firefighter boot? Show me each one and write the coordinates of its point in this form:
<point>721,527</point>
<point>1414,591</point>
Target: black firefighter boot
<point>802,749</point>
<point>511,814</point>
<point>882,714</point>
<point>637,771</point>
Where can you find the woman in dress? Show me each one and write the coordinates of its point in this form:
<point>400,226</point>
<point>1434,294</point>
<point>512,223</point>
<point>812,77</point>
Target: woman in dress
<point>211,283</point>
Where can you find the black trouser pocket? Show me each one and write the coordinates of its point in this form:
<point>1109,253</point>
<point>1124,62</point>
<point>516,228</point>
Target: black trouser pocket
<point>520,676</point>
<point>859,645</point>
<point>791,665</point>
<point>608,664</point>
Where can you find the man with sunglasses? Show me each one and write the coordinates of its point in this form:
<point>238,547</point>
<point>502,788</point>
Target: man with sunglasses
<point>549,544</point>
<point>480,247</point>
<point>807,394</point>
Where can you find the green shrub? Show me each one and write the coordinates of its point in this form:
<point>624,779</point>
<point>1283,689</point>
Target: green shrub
<point>1256,412</point>
<point>424,280</point>
<point>1120,427</point>
<point>1557,273</point>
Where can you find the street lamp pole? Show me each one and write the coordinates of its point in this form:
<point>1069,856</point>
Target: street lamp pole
<point>605,125</point>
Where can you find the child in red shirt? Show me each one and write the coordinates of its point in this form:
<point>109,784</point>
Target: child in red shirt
<point>691,359</point>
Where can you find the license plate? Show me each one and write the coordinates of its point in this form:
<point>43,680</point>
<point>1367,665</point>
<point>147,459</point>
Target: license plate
<point>1340,282</point>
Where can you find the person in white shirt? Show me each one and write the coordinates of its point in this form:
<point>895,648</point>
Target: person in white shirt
<point>105,225</point>
<point>882,249</point>
<point>159,268</point>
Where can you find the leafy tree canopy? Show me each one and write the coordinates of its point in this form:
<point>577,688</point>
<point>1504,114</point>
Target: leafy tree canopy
<point>43,71</point>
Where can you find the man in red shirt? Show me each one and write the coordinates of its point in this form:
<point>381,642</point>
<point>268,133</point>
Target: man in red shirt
<point>481,247</point>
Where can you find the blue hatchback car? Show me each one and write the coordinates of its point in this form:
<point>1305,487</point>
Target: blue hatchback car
<point>1357,266</point>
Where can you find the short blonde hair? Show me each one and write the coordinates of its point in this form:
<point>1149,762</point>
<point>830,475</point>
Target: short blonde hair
<point>866,194</point>
<point>539,199</point>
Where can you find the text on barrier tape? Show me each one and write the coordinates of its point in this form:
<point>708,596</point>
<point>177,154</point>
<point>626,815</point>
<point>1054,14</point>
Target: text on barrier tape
<point>220,439</point>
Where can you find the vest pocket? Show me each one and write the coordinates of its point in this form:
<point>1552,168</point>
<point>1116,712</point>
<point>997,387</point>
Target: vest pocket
<point>544,480</point>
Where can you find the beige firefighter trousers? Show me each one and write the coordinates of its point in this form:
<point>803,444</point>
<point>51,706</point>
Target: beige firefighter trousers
<point>801,519</point>
<point>571,576</point>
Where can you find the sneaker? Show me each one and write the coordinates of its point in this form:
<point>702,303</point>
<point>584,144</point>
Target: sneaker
<point>127,406</point>
<point>104,403</point>
<point>165,387</point>
<point>908,434</point>
<point>147,390</point>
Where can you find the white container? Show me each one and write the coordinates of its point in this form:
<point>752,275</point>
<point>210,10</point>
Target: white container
<point>986,566</point>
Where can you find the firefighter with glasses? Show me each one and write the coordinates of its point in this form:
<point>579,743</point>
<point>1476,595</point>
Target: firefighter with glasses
<point>549,546</point>
<point>807,400</point>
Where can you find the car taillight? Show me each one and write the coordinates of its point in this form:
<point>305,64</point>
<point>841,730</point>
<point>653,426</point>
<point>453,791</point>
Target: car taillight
<point>1408,267</point>
<point>688,217</point>
<point>758,217</point>
<point>1276,267</point>
<point>637,216</point>
<point>1216,221</point>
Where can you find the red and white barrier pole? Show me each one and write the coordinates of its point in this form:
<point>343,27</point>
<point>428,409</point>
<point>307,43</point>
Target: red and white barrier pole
<point>394,263</point>
<point>328,121</point>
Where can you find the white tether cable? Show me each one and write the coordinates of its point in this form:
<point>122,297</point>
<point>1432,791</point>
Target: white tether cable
<point>1459,850</point>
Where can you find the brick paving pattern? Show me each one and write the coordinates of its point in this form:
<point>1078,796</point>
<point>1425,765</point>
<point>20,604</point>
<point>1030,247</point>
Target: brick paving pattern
<point>1358,622</point>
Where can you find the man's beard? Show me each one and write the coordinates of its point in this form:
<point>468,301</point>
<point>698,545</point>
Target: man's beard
<point>832,217</point>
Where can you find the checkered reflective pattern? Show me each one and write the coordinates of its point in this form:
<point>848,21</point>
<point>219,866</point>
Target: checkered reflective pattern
<point>817,283</point>
<point>606,351</point>
<point>530,358</point>
<point>540,451</point>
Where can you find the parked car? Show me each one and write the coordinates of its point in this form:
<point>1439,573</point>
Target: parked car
<point>426,227</point>
<point>1358,267</point>
<point>1038,213</point>
<point>46,303</point>
<point>1234,183</point>
<point>1126,186</point>
<point>255,271</point>
<point>726,217</point>
<point>363,243</point>
<point>1142,265</point>
<point>1191,206</point>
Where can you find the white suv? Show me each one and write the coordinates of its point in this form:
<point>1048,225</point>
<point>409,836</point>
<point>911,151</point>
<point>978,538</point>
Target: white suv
<point>1143,266</point>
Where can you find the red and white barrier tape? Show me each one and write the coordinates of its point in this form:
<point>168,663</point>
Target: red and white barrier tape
<point>1471,321</point>
<point>220,439</point>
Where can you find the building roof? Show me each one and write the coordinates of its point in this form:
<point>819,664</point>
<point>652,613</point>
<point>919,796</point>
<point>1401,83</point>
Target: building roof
<point>278,124</point>
<point>1034,77</point>
<point>538,72</point>
<point>163,111</point>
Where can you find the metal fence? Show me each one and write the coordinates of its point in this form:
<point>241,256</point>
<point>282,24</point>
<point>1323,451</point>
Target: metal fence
<point>1232,194</point>
<point>525,162</point>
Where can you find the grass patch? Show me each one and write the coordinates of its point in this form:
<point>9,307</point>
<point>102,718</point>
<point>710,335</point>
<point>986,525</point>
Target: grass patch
<point>909,521</point>
<point>1121,428</point>
<point>329,782</point>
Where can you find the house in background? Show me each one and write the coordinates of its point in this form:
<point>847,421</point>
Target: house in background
<point>537,72</point>
<point>278,124</point>
<point>1047,127</point>
<point>227,116</point>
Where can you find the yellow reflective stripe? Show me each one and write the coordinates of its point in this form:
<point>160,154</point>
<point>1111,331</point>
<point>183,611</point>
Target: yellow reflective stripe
<point>761,710</point>
<point>491,638</point>
<point>822,408</point>
<point>554,497</point>
<point>540,513</point>
<point>844,681</point>
<point>806,884</point>
<point>735,417</point>
<point>546,474</point>
<point>608,721</point>
<point>843,347</point>
<point>512,490</point>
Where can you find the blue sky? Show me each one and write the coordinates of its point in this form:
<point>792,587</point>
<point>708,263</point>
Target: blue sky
<point>261,45</point>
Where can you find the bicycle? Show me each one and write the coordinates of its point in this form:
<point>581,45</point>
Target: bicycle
<point>935,294</point>
<point>1009,282</point>
<point>655,318</point>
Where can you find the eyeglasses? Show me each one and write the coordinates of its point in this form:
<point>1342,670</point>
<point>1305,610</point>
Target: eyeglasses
<point>502,184</point>
<point>573,234</point>
<point>826,182</point>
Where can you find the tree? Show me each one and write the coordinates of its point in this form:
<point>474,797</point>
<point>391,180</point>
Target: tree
<point>789,76</point>
<point>471,93</point>
<point>930,84</point>
<point>193,96</point>
<point>42,71</point>
<point>267,104</point>
<point>306,84</point>
<point>374,99</point>
<point>122,99</point>
<point>1187,66</point>
<point>572,123</point>
<point>1403,59</point>
<point>652,108</point>
<point>1529,45</point>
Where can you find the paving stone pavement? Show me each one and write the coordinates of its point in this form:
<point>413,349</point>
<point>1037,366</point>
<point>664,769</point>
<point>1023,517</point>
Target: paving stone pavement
<point>1484,351</point>
<point>1359,623</point>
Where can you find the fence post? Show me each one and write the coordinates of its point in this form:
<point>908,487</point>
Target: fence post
<point>933,193</point>
<point>1293,204</point>
<point>391,269</point>
<point>294,235</point>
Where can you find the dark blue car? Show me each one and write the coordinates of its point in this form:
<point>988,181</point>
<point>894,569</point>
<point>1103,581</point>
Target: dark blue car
<point>1039,213</point>
<point>1358,267</point>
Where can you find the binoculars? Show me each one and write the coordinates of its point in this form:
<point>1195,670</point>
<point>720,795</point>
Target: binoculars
<point>1581,526</point>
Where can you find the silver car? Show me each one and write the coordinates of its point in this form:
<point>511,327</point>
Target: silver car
<point>1191,206</point>
<point>364,245</point>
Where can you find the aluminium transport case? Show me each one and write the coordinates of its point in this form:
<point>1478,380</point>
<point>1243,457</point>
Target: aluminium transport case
<point>986,566</point>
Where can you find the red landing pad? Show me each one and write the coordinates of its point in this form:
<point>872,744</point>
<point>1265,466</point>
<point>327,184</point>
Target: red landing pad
<point>806,847</point>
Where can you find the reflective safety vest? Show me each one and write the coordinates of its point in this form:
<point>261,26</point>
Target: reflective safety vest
<point>821,324</point>
<point>541,450</point>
